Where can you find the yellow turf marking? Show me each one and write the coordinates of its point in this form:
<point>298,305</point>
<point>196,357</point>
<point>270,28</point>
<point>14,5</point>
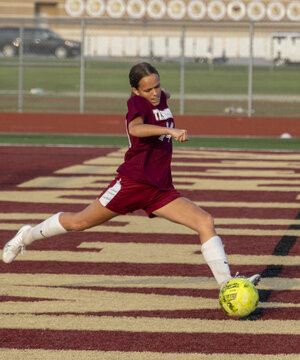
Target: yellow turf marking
<point>108,164</point>
<point>81,300</point>
<point>128,218</point>
<point>89,169</point>
<point>48,196</point>
<point>249,204</point>
<point>97,182</point>
<point>234,154</point>
<point>146,324</point>
<point>258,232</point>
<point>170,253</point>
<point>71,280</point>
<point>191,183</point>
<point>211,154</point>
<point>151,227</point>
<point>67,197</point>
<point>176,282</point>
<point>100,182</point>
<point>239,164</point>
<point>150,254</point>
<point>135,219</point>
<point>69,298</point>
<point>111,170</point>
<point>143,225</point>
<point>105,160</point>
<point>14,354</point>
<point>239,173</point>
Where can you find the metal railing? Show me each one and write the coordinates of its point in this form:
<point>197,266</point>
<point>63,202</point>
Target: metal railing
<point>181,50</point>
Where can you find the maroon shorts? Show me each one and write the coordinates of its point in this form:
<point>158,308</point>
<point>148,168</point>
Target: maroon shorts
<point>125,195</point>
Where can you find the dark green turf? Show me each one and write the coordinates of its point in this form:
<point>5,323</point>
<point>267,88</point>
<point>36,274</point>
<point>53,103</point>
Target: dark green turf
<point>118,140</point>
<point>107,87</point>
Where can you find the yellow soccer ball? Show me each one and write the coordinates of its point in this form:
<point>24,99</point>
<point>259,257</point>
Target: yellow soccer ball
<point>238,297</point>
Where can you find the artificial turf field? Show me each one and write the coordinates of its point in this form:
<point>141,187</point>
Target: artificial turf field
<point>138,288</point>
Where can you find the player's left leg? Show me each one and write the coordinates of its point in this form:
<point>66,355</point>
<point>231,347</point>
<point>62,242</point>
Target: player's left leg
<point>185,212</point>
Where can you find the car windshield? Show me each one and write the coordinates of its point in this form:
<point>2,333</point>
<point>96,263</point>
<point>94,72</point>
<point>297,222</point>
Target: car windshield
<point>53,35</point>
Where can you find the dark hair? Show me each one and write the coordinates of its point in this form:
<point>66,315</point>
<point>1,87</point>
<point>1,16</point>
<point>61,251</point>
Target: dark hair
<point>138,71</point>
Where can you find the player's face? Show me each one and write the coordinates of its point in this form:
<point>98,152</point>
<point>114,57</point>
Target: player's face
<point>149,88</point>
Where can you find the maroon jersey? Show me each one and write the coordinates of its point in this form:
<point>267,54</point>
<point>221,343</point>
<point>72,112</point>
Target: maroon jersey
<point>148,159</point>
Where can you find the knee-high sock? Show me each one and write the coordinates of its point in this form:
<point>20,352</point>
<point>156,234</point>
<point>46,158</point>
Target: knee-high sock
<point>48,228</point>
<point>214,254</point>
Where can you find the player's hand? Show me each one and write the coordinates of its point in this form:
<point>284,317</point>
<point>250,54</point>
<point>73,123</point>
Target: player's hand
<point>179,135</point>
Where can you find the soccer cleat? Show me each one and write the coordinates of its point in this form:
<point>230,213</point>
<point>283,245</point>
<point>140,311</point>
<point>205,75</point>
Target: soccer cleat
<point>14,246</point>
<point>254,279</point>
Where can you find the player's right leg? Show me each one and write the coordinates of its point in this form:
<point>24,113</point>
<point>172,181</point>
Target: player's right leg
<point>94,214</point>
<point>58,224</point>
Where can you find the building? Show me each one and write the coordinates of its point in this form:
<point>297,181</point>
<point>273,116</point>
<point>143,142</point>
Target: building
<point>213,28</point>
<point>178,10</point>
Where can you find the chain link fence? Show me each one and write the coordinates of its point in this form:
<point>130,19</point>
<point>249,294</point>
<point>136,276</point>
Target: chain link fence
<point>81,65</point>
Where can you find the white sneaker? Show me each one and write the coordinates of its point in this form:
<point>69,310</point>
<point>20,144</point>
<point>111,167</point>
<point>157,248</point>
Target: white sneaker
<point>14,246</point>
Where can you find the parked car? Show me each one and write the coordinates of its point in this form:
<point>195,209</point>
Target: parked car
<point>36,41</point>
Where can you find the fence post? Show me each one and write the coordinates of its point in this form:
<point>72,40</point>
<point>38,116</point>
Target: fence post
<point>250,69</point>
<point>82,67</point>
<point>21,68</point>
<point>182,68</point>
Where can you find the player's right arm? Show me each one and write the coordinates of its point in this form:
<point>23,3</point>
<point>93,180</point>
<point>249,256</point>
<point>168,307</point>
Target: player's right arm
<point>137,128</point>
<point>180,135</point>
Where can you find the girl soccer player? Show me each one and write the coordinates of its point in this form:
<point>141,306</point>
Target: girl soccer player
<point>144,180</point>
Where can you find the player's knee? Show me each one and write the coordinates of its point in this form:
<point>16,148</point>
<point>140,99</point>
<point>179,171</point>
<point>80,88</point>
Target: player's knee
<point>77,224</point>
<point>80,225</point>
<point>206,223</point>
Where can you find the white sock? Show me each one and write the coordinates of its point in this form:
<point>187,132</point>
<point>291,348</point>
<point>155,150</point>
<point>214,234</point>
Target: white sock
<point>47,228</point>
<point>214,254</point>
